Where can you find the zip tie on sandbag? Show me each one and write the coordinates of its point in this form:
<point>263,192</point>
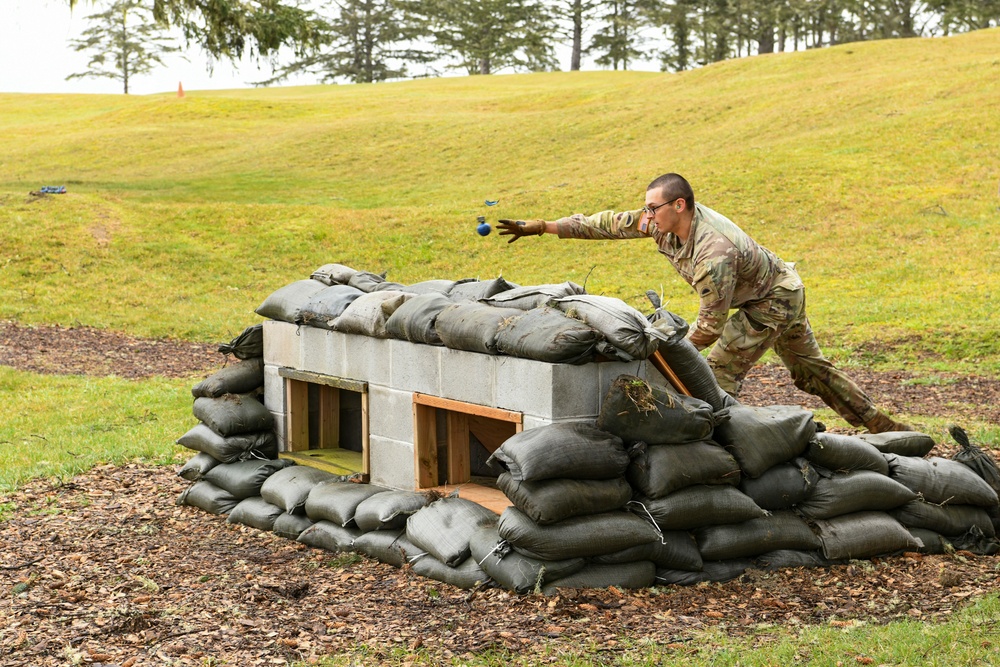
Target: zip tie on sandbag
<point>651,519</point>
<point>501,546</point>
<point>414,558</point>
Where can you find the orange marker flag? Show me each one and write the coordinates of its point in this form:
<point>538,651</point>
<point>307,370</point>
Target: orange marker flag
<point>180,89</point>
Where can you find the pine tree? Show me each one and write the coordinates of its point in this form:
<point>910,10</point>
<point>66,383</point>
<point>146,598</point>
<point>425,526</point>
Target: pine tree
<point>126,42</point>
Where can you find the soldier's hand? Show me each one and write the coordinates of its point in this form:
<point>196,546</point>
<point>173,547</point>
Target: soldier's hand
<point>518,228</point>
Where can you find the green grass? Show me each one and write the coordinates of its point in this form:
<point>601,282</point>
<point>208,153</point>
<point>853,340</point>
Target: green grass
<point>969,638</point>
<point>58,426</point>
<point>873,166</point>
<point>183,214</point>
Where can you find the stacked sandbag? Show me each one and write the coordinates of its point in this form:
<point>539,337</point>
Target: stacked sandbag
<point>567,484</point>
<point>625,330</point>
<point>234,426</point>
<point>442,534</point>
<point>950,499</point>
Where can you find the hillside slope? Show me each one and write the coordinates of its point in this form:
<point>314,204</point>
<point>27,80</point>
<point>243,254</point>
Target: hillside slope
<point>874,166</point>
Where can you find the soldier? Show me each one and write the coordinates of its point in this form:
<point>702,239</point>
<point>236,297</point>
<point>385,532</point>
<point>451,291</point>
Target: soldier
<point>728,270</point>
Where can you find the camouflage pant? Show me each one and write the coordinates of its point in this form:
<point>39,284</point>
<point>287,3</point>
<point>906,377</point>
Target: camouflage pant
<point>781,322</point>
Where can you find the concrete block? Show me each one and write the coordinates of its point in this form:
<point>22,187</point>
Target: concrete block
<point>274,390</point>
<point>468,376</point>
<point>390,413</point>
<point>536,421</point>
<point>281,429</point>
<point>392,463</point>
<point>366,358</point>
<point>322,351</point>
<point>415,367</point>
<point>575,391</point>
<point>281,344</point>
<point>523,385</point>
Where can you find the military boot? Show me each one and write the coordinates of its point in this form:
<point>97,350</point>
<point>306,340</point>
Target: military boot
<point>882,422</point>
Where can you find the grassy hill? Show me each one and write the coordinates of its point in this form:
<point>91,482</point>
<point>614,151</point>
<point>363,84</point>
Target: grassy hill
<point>874,166</point>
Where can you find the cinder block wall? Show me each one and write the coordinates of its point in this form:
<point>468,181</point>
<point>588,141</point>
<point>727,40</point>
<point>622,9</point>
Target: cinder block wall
<point>544,393</point>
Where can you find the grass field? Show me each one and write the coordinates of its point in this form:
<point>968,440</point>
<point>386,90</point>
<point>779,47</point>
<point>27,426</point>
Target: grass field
<point>874,166</point>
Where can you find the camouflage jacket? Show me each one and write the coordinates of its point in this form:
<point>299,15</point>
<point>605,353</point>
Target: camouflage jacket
<point>726,268</point>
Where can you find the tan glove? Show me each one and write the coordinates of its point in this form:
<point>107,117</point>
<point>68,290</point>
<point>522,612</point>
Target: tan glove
<point>519,228</point>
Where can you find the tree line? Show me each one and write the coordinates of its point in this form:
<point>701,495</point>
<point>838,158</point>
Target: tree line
<point>365,41</point>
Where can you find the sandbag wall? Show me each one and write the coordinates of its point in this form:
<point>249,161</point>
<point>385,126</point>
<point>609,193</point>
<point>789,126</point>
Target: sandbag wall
<point>556,323</point>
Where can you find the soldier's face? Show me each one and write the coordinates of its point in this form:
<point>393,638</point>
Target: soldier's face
<point>663,213</point>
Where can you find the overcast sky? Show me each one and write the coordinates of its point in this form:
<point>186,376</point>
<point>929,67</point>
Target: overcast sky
<point>36,56</point>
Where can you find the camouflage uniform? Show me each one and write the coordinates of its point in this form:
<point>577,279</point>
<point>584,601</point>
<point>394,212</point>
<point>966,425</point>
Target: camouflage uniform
<point>729,270</point>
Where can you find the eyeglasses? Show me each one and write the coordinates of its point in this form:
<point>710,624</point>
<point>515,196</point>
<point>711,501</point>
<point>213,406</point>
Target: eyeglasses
<point>651,210</point>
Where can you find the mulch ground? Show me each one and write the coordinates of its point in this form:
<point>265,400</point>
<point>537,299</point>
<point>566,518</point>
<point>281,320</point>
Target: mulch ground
<point>106,569</point>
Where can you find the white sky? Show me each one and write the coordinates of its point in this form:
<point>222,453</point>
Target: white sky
<point>36,57</point>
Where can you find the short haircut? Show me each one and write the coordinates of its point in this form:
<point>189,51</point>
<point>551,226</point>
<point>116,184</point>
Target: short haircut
<point>674,186</point>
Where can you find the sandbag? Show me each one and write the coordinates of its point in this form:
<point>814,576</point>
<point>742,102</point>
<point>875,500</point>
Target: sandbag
<point>863,535</point>
<point>233,414</point>
<point>782,558</point>
<point>675,550</point>
<point>238,378</point>
<point>533,296</point>
<point>260,445</point>
<point>782,486</point>
<point>444,527</point>
<point>367,315</point>
<point>659,470</point>
<point>849,492</point>
<point>553,500</point>
<point>438,286</point>
<point>244,479</point>
<point>256,513</point>
<point>285,304</point>
<point>197,466</point>
<point>290,525</point>
<point>248,345</point>
<point>976,458</point>
<point>207,496</point>
<point>641,574</point>
<point>636,410</point>
<point>780,530</point>
<point>932,543</point>
<point>388,546</point>
<point>578,537</point>
<point>327,305</point>
<point>472,326</point>
<point>366,281</point>
<point>762,437</point>
<point>328,535</point>
<point>685,360</point>
<point>512,570</point>
<point>946,520</point>
<point>546,334</point>
<point>573,450</point>
<point>714,571</point>
<point>338,501</point>
<point>476,289</point>
<point>941,480</point>
<point>289,488</point>
<point>334,274</point>
<point>842,453</point>
<point>465,575</point>
<point>903,443</point>
<point>414,320</point>
<point>389,510</point>
<point>696,506</point>
<point>620,324</point>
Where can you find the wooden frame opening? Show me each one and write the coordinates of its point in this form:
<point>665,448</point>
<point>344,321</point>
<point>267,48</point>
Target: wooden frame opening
<point>448,441</point>
<point>327,422</point>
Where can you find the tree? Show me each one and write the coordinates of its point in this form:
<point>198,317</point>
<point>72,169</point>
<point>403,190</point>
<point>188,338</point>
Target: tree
<point>490,35</point>
<point>233,28</point>
<point>367,41</point>
<point>617,40</point>
<point>126,41</point>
